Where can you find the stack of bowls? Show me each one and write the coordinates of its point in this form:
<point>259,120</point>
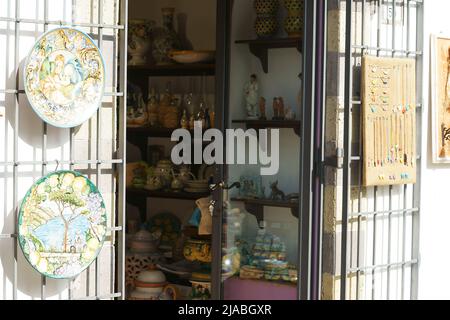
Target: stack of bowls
<point>196,186</point>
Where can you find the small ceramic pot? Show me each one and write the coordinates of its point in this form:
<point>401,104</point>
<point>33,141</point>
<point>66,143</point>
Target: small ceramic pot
<point>186,174</point>
<point>144,242</point>
<point>201,290</point>
<point>266,26</point>
<point>164,172</point>
<point>139,44</point>
<point>294,6</point>
<point>197,250</point>
<point>177,184</point>
<point>293,25</point>
<point>266,7</point>
<point>154,183</point>
<point>151,285</point>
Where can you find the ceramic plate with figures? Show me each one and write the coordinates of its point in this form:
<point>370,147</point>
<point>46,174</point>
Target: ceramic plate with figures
<point>62,224</point>
<point>64,77</point>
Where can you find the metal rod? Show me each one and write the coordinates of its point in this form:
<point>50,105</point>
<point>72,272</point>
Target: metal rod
<point>384,266</point>
<point>347,144</point>
<point>44,144</point>
<point>62,162</point>
<point>61,23</point>
<point>16,146</point>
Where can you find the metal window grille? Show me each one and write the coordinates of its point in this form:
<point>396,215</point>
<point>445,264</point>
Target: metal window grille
<point>114,165</point>
<point>380,225</point>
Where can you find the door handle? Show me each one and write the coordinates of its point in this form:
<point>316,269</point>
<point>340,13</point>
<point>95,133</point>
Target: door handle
<point>222,185</point>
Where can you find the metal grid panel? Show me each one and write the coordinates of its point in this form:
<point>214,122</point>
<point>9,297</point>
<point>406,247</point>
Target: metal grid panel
<point>379,242</point>
<point>118,36</point>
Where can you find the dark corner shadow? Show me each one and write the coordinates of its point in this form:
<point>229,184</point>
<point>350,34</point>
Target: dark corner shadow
<point>182,31</point>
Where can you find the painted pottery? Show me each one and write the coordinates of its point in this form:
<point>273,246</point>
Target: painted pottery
<point>136,263</point>
<point>62,224</point>
<point>64,77</point>
<point>186,174</point>
<point>201,286</point>
<point>153,183</point>
<point>266,7</point>
<point>197,250</point>
<point>138,41</point>
<point>294,6</point>
<point>164,172</point>
<point>145,242</point>
<point>189,56</point>
<point>266,26</point>
<point>165,39</point>
<point>177,183</point>
<point>151,284</point>
<point>293,23</point>
<point>170,227</point>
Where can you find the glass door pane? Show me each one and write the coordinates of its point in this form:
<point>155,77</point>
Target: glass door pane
<point>260,233</point>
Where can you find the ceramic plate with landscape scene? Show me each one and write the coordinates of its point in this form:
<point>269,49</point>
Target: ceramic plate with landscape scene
<point>62,224</point>
<point>65,77</point>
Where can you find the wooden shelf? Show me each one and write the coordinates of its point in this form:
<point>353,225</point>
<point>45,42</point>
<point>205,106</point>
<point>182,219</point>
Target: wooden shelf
<point>260,47</point>
<point>195,69</point>
<point>149,132</point>
<point>256,206</point>
<point>136,192</point>
<point>266,124</point>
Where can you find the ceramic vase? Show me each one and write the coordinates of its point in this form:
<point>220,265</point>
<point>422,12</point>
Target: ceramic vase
<point>165,39</point>
<point>293,23</point>
<point>266,7</point>
<point>139,42</point>
<point>266,26</point>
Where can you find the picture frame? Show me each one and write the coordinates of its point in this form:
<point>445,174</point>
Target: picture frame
<point>440,98</point>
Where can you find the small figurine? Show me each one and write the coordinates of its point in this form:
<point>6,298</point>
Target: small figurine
<point>276,194</point>
<point>290,114</point>
<point>184,120</point>
<point>262,108</point>
<point>281,109</point>
<point>276,109</point>
<point>251,97</point>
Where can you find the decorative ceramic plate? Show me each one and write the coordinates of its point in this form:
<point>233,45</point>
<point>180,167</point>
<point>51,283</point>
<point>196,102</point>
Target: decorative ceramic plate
<point>62,224</point>
<point>64,77</point>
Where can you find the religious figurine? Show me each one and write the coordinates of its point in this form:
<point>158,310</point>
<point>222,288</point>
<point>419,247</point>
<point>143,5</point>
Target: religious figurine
<point>276,109</point>
<point>262,108</point>
<point>251,97</point>
<point>290,114</point>
<point>281,109</point>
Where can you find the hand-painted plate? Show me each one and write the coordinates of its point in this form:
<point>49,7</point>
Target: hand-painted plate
<point>62,224</point>
<point>64,77</point>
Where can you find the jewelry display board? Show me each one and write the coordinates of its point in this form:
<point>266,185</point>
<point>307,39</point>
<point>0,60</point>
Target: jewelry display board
<point>389,121</point>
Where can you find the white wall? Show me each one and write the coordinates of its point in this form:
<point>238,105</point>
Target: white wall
<point>58,146</point>
<point>434,277</point>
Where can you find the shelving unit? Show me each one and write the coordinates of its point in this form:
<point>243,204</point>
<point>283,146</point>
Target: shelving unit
<point>267,124</point>
<point>138,197</point>
<point>139,74</point>
<point>192,69</point>
<point>260,47</point>
<point>256,206</point>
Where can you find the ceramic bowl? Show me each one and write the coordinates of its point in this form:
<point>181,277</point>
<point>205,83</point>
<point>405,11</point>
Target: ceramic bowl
<point>197,250</point>
<point>187,56</point>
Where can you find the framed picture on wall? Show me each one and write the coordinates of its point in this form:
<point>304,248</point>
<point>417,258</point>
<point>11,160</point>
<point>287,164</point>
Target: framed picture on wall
<point>440,93</point>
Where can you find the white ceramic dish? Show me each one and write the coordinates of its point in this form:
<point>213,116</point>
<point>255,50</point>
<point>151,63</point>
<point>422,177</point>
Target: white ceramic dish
<point>187,56</point>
